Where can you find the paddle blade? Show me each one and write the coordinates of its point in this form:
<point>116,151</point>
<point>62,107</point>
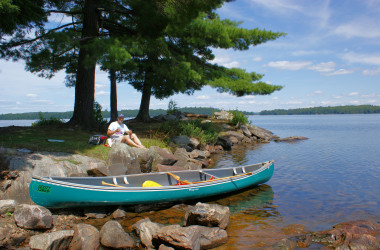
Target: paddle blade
<point>151,184</point>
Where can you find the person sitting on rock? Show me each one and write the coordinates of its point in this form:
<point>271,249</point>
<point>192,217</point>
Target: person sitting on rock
<point>119,132</point>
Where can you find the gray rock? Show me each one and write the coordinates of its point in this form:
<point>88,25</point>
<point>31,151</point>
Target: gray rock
<point>223,115</point>
<point>291,139</point>
<point>145,229</point>
<point>165,157</point>
<point>85,237</point>
<point>197,154</point>
<point>54,240</point>
<point>113,235</point>
<point>210,215</point>
<point>284,244</point>
<point>95,212</point>
<point>211,237</point>
<point>260,133</point>
<point>7,206</point>
<point>33,217</point>
<point>225,142</point>
<point>178,237</point>
<point>181,140</point>
<point>239,136</point>
<point>194,143</point>
<point>119,213</point>
<point>44,164</point>
<point>246,131</point>
<point>123,159</point>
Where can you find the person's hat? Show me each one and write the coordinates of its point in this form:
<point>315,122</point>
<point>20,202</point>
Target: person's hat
<point>121,115</point>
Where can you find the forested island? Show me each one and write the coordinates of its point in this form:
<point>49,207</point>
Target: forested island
<point>107,114</point>
<point>348,109</point>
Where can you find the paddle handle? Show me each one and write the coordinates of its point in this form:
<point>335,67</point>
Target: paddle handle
<point>109,184</point>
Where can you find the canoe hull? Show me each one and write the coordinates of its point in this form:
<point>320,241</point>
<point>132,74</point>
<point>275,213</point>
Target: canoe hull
<point>59,195</point>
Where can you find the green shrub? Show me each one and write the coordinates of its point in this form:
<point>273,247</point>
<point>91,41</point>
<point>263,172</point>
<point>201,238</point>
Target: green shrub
<point>205,132</point>
<point>172,108</point>
<point>42,122</point>
<point>238,117</point>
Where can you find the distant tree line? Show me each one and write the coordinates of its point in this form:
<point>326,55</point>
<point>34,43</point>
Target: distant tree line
<point>106,113</point>
<point>349,109</point>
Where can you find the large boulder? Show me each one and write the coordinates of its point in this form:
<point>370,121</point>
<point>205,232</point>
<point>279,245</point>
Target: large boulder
<point>43,164</point>
<point>165,157</point>
<point>33,217</point>
<point>85,237</point>
<point>211,237</point>
<point>112,235</point>
<point>123,159</point>
<point>54,240</point>
<point>261,133</point>
<point>145,229</point>
<point>210,215</point>
<point>178,237</point>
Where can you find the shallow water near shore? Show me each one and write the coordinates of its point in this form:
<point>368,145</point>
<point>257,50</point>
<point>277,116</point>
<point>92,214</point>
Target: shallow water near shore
<point>332,177</point>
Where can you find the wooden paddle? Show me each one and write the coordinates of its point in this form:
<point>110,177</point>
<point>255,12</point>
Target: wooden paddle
<point>178,179</point>
<point>109,184</point>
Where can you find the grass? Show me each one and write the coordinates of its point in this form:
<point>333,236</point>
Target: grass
<point>35,138</point>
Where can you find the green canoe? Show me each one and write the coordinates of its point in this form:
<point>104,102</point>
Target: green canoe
<point>59,192</point>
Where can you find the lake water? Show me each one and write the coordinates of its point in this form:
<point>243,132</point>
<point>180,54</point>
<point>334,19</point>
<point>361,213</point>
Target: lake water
<point>332,177</point>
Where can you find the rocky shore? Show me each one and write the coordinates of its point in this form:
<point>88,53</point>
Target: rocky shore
<point>24,225</point>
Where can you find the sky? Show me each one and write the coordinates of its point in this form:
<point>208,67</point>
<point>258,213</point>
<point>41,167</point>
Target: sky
<point>329,57</point>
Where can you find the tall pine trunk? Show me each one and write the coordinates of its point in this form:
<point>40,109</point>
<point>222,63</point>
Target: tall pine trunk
<point>85,80</point>
<point>113,96</point>
<point>143,114</point>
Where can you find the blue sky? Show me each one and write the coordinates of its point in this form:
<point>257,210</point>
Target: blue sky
<point>330,56</point>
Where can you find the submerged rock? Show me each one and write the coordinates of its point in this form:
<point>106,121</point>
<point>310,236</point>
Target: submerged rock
<point>178,237</point>
<point>210,215</point>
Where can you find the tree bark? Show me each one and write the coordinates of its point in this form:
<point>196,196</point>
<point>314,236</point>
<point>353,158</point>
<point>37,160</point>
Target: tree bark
<point>113,98</point>
<point>85,81</point>
<point>143,114</point>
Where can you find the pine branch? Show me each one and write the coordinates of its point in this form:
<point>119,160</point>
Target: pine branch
<point>26,41</point>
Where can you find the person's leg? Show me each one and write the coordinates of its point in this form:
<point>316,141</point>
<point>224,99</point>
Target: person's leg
<point>136,140</point>
<point>129,141</point>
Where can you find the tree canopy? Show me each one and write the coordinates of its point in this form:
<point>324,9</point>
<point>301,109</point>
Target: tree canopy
<point>161,47</point>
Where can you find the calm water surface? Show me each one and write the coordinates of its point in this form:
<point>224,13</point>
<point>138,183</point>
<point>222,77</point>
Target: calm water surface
<point>332,177</point>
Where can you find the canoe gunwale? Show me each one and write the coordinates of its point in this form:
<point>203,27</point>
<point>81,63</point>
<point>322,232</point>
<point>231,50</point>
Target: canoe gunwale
<point>50,180</point>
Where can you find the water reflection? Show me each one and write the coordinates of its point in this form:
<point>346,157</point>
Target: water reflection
<point>239,155</point>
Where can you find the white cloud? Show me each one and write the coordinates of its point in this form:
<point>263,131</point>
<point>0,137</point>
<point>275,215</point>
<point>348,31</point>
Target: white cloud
<point>226,61</point>
<point>203,97</point>
<point>359,27</point>
<point>316,93</point>
<point>356,102</point>
<point>373,59</point>
<point>341,72</point>
<point>102,93</point>
<point>257,59</point>
<point>287,65</point>
<point>31,95</point>
<point>323,67</point>
<point>371,72</point>
<point>275,98</point>
<point>353,94</point>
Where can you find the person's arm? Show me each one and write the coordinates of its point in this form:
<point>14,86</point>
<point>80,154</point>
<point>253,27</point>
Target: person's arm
<point>111,130</point>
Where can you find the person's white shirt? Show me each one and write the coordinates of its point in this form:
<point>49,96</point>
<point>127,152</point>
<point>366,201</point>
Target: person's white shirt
<point>114,126</point>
